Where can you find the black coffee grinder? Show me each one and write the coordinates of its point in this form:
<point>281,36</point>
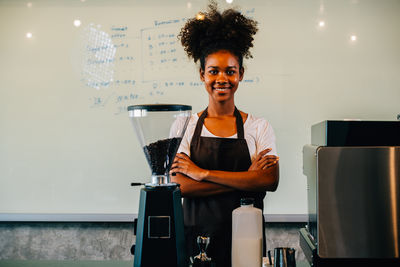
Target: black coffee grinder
<point>160,237</point>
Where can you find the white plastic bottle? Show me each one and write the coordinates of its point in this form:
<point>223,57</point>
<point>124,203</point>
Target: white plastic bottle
<point>247,235</point>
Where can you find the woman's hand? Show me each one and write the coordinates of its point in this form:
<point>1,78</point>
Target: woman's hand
<point>263,162</point>
<point>183,164</point>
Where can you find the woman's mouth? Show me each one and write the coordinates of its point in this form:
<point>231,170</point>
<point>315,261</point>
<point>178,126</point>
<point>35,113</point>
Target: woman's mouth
<point>222,90</point>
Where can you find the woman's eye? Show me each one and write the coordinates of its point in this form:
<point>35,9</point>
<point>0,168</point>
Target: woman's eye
<point>230,72</point>
<point>213,72</point>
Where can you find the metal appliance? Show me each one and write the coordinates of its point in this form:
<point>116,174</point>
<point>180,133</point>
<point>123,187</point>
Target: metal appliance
<point>353,179</point>
<point>160,237</point>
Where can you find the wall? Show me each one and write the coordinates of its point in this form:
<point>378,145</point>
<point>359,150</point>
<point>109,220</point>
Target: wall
<point>99,241</point>
<point>66,144</point>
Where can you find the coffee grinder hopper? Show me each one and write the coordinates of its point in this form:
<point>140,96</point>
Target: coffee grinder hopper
<point>159,128</point>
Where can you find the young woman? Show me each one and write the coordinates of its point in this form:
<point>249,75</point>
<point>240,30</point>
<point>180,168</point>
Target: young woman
<point>226,154</point>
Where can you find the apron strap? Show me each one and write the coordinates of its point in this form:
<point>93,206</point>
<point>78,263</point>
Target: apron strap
<point>239,124</point>
<point>197,130</point>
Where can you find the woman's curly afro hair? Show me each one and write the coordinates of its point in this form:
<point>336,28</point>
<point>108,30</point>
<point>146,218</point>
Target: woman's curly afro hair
<point>213,31</point>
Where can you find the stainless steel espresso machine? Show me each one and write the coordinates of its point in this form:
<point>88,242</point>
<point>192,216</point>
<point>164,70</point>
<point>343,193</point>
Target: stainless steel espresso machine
<point>353,177</point>
<point>160,237</point>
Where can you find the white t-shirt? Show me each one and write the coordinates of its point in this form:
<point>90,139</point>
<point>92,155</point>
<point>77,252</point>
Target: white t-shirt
<point>258,133</point>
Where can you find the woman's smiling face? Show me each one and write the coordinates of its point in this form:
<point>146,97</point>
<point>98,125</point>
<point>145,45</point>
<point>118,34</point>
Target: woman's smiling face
<point>221,75</point>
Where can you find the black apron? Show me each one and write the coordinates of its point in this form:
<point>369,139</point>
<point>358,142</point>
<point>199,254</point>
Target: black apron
<point>212,216</point>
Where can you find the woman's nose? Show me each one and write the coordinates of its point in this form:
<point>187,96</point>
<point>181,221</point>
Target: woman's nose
<point>221,78</point>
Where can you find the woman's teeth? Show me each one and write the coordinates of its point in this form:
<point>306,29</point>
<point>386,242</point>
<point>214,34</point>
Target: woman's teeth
<point>221,89</point>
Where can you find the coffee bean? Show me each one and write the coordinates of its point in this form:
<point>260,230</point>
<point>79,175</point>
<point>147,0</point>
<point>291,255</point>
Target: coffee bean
<point>160,155</point>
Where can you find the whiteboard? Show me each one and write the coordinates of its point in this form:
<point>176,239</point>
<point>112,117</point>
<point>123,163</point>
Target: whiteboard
<point>69,69</point>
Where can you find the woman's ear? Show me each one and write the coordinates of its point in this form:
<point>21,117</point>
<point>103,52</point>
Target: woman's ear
<point>241,74</point>
<point>201,71</point>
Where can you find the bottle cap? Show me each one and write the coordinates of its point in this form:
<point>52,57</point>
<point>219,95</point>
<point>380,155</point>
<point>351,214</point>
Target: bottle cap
<point>246,201</point>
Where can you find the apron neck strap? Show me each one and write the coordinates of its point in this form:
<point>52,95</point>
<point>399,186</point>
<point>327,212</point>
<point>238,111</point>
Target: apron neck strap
<point>239,124</point>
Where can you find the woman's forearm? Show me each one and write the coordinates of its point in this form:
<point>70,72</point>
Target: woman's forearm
<point>258,180</point>
<point>193,188</point>
<point>263,175</point>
